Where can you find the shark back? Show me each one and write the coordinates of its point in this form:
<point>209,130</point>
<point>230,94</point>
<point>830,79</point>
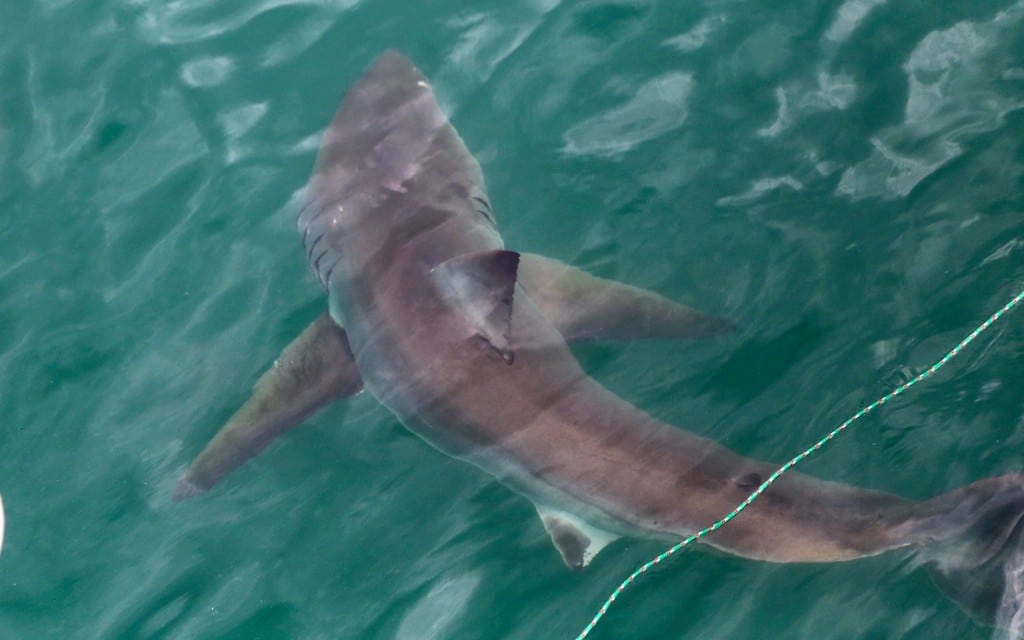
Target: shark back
<point>390,153</point>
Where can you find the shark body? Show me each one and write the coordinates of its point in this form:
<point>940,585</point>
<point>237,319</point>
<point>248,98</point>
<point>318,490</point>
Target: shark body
<point>467,343</point>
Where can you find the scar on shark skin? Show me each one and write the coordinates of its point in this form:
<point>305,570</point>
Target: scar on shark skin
<point>467,344</point>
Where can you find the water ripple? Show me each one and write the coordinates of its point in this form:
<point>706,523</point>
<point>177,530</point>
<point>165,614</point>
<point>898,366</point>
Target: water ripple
<point>171,135</point>
<point>658,106</point>
<point>953,95</point>
<point>186,21</point>
<point>486,39</point>
<point>437,612</point>
<point>849,17</point>
<point>695,37</point>
<point>206,71</point>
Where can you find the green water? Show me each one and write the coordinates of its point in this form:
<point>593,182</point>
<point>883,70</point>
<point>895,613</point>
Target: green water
<point>844,179</point>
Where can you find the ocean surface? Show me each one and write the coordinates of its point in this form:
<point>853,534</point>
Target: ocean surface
<point>843,179</point>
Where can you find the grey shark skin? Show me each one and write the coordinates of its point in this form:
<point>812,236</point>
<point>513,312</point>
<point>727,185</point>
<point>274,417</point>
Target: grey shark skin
<point>467,344</point>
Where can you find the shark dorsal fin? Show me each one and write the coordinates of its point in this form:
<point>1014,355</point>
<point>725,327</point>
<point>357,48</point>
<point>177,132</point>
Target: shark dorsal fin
<point>576,540</point>
<point>481,286</point>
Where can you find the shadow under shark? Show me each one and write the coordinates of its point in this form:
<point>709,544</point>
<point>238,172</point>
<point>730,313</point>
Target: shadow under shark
<point>467,344</point>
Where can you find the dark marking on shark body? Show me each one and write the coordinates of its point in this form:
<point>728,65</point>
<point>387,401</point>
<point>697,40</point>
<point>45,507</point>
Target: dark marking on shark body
<point>749,482</point>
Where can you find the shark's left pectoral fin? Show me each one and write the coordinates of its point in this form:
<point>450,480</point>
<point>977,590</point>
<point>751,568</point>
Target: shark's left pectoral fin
<point>481,287</point>
<point>585,307</point>
<point>315,369</point>
<point>576,540</point>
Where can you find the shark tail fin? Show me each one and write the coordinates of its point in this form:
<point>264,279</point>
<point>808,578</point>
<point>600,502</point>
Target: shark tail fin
<point>972,540</point>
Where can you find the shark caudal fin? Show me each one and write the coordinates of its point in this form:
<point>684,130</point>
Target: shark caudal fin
<point>972,540</point>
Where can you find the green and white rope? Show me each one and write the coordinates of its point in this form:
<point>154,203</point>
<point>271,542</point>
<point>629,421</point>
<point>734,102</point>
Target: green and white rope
<point>952,353</point>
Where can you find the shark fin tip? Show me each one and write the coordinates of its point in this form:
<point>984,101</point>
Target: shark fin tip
<point>576,541</point>
<point>186,489</point>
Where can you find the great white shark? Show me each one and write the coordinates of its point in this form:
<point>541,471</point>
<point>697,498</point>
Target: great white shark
<point>467,343</point>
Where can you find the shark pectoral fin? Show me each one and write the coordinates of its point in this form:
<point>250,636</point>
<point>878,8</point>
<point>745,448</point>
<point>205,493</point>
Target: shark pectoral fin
<point>315,369</point>
<point>481,286</point>
<point>585,307</point>
<point>576,540</point>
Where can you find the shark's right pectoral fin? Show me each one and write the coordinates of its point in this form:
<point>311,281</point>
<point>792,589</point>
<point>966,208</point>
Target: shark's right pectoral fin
<point>315,369</point>
<point>585,307</point>
<point>576,540</point>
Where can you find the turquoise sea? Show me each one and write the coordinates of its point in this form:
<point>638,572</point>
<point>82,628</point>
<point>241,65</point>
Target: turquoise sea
<point>843,178</point>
